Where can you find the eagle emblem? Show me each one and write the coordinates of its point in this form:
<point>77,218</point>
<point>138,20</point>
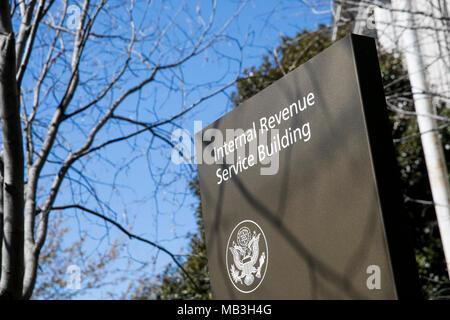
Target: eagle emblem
<point>247,256</point>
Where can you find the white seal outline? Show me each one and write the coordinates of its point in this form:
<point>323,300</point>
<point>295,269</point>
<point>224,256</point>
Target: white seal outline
<point>226,256</point>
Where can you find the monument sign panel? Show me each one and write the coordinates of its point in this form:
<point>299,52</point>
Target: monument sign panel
<point>300,190</point>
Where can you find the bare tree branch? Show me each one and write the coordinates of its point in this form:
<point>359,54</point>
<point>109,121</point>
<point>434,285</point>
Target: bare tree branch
<point>131,236</point>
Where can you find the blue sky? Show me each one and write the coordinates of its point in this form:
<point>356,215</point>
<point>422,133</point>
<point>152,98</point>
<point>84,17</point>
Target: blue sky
<point>156,203</point>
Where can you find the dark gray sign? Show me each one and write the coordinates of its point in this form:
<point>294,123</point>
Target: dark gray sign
<point>300,191</point>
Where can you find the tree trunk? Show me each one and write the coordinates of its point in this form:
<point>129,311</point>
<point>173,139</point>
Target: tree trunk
<point>1,210</point>
<point>13,160</point>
